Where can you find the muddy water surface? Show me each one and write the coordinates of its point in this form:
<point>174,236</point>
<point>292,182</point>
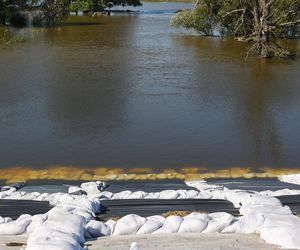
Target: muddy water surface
<point>130,91</point>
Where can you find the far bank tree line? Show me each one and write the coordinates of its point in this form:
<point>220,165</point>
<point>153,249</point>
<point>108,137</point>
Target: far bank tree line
<point>261,23</point>
<point>51,12</point>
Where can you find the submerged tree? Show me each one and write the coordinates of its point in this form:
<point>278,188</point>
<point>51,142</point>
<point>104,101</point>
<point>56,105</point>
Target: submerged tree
<point>54,11</point>
<point>261,22</point>
<point>10,11</point>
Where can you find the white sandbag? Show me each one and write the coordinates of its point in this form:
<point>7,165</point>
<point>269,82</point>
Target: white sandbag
<point>24,217</point>
<point>265,209</point>
<point>192,194</point>
<point>168,194</point>
<point>59,198</point>
<point>106,195</point>
<point>76,190</point>
<point>152,224</point>
<point>121,195</point>
<point>2,195</point>
<point>86,205</point>
<point>286,236</point>
<point>10,191</point>
<point>97,229</point>
<point>203,195</point>
<point>250,223</point>
<point>52,240</point>
<point>152,195</point>
<point>129,224</point>
<point>280,192</point>
<point>67,223</point>
<point>37,222</point>
<point>171,225</point>
<point>16,195</point>
<point>7,219</point>
<point>219,221</point>
<point>42,197</point>
<point>136,195</point>
<point>192,225</point>
<point>31,196</point>
<point>15,227</point>
<point>93,187</point>
<point>292,178</point>
<point>199,216</point>
<point>111,224</point>
<point>182,194</point>
<point>246,224</point>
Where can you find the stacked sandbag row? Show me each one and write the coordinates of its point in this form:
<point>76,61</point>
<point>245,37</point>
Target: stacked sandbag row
<point>262,214</point>
<point>166,194</point>
<point>87,189</point>
<point>135,224</point>
<point>64,227</point>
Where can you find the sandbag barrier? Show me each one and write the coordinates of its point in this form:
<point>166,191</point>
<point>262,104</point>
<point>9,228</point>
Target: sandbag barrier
<point>72,221</point>
<point>261,212</point>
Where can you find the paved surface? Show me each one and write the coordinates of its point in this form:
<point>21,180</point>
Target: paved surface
<point>181,242</point>
<point>13,242</point>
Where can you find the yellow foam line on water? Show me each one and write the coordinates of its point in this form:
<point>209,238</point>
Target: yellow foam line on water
<point>20,174</point>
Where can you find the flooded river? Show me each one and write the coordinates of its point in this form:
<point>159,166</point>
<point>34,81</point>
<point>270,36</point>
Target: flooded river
<point>129,91</point>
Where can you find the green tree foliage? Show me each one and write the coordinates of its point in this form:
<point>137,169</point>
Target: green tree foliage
<point>52,12</point>
<point>100,5</point>
<point>80,5</point>
<point>261,22</point>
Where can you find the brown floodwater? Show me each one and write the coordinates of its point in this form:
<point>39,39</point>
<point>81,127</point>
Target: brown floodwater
<point>127,92</point>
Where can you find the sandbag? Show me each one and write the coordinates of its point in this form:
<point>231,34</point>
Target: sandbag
<point>67,223</point>
<point>76,190</point>
<point>247,224</point>
<point>97,229</point>
<point>129,224</point>
<point>199,216</point>
<point>287,236</point>
<point>151,225</point>
<point>171,225</point>
<point>137,195</point>
<point>111,224</point>
<point>192,225</point>
<point>93,187</point>
<point>152,195</point>
<point>52,240</point>
<point>191,194</point>
<point>219,221</point>
<point>121,195</point>
<point>15,227</point>
<point>37,222</point>
<point>168,194</point>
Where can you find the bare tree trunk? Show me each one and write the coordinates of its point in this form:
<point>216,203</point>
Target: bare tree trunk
<point>264,29</point>
<point>2,20</point>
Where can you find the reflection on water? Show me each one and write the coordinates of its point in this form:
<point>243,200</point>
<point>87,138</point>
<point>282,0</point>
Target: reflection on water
<point>130,91</point>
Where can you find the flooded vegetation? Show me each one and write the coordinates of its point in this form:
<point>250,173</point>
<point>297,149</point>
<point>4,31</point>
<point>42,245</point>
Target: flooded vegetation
<point>128,91</point>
